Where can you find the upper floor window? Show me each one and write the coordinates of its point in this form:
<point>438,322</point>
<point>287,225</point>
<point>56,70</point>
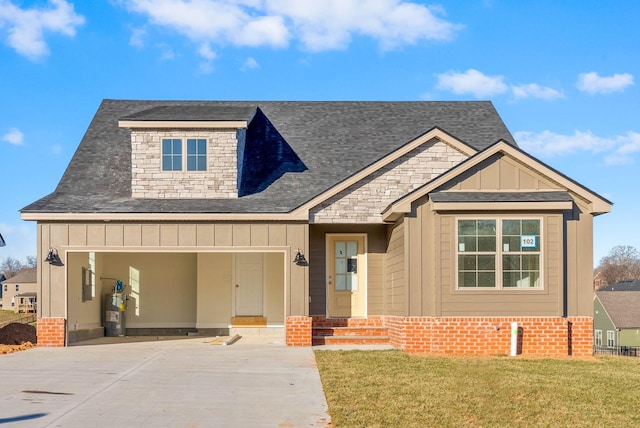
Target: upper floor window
<point>17,287</point>
<point>499,253</point>
<point>172,154</point>
<point>196,154</point>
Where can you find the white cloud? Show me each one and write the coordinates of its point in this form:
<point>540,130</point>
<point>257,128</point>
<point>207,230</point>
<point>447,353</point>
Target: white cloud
<point>619,149</point>
<point>471,82</point>
<point>26,28</point>
<point>533,90</point>
<point>14,136</point>
<point>137,37</point>
<point>593,83</point>
<point>250,64</point>
<point>317,24</point>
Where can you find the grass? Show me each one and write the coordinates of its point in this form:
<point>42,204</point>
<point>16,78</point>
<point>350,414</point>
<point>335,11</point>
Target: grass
<point>393,389</point>
<point>8,315</point>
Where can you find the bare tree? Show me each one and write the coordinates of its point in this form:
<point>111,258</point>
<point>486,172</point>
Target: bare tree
<point>10,267</point>
<point>30,262</point>
<point>622,262</point>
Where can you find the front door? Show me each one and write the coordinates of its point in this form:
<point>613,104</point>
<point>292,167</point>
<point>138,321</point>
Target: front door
<point>249,284</point>
<point>346,276</point>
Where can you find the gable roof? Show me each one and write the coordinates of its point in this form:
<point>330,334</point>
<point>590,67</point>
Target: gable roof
<point>623,307</point>
<point>333,139</point>
<point>597,203</point>
<point>626,285</point>
<point>24,275</point>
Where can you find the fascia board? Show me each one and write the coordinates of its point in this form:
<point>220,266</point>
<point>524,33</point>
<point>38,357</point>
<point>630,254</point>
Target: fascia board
<point>183,124</point>
<point>108,217</point>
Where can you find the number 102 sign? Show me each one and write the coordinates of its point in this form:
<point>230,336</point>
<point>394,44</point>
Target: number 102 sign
<point>528,241</point>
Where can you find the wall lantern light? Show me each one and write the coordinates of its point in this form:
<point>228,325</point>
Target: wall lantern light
<point>299,259</point>
<point>53,258</point>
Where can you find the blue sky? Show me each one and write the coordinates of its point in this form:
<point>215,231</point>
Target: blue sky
<point>562,74</point>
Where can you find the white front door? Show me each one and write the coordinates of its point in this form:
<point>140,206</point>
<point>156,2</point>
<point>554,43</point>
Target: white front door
<point>249,285</point>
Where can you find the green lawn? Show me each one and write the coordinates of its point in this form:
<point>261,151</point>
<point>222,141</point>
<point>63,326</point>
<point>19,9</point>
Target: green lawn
<point>8,315</point>
<point>393,389</point>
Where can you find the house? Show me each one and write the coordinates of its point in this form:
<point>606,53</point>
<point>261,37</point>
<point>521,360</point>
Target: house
<point>616,319</point>
<point>598,281</point>
<point>19,293</point>
<point>419,224</point>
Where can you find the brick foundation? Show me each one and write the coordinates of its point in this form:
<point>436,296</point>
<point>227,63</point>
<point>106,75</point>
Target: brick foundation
<point>298,331</point>
<point>544,336</point>
<point>51,331</point>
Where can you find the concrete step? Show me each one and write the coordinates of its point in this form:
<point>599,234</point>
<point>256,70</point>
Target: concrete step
<point>350,331</point>
<point>350,340</point>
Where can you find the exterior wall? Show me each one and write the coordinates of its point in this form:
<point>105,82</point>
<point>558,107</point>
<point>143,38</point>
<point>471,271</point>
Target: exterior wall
<point>518,302</point>
<point>149,181</point>
<point>364,202</point>
<point>629,337</point>
<point>395,263</point>
<point>376,249</point>
<point>543,336</point>
<point>83,314</point>
<point>161,287</point>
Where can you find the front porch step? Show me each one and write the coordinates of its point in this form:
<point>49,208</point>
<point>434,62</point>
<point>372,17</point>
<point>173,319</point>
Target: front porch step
<point>357,335</point>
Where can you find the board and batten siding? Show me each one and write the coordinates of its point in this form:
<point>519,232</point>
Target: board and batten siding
<point>395,271</point>
<point>168,237</point>
<point>506,302</point>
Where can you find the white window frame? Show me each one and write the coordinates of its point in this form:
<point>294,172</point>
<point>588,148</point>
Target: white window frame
<point>184,155</point>
<point>611,338</point>
<point>499,253</point>
<point>597,337</point>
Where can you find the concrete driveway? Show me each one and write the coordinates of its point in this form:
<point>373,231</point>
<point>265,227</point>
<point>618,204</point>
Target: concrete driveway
<point>187,382</point>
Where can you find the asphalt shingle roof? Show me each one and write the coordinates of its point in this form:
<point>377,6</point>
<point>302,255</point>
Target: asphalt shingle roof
<point>623,307</point>
<point>334,140</point>
<point>558,196</point>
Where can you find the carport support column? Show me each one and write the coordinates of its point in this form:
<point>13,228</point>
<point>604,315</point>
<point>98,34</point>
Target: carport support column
<point>298,331</point>
<point>51,331</point>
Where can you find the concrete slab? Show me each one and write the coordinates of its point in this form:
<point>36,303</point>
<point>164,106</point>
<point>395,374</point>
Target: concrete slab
<point>171,382</point>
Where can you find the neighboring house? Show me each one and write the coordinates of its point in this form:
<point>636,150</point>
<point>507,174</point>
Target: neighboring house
<point>598,281</point>
<point>419,222</point>
<point>616,319</point>
<point>19,293</point>
<point>2,278</point>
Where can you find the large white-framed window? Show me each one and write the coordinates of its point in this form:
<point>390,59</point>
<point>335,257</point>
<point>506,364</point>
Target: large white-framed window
<point>611,339</point>
<point>173,150</point>
<point>499,253</point>
<point>597,338</point>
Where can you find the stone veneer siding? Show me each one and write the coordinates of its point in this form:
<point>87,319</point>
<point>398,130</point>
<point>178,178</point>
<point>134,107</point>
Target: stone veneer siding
<point>220,180</point>
<point>364,201</point>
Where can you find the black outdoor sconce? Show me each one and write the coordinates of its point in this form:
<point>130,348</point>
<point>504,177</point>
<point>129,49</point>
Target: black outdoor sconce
<point>53,258</point>
<point>299,259</point>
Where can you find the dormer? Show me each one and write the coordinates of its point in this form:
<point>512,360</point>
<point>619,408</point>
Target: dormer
<point>204,151</point>
<point>186,152</point>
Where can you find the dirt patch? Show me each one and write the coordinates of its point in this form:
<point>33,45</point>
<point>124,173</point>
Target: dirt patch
<point>16,337</point>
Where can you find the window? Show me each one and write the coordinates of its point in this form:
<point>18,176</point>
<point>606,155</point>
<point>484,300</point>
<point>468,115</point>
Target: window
<point>172,150</point>
<point>611,338</point>
<point>598,338</point>
<point>5,287</point>
<point>17,287</point>
<point>171,154</point>
<point>499,253</point>
<point>346,265</point>
<point>196,154</point>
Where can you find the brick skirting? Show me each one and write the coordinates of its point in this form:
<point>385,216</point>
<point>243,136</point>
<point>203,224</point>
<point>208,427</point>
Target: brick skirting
<point>51,331</point>
<point>298,331</point>
<point>544,336</point>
